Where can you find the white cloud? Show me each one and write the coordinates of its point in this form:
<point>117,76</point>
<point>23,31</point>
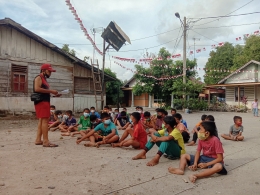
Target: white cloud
<point>138,18</point>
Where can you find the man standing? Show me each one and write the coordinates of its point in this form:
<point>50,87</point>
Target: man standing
<point>42,107</point>
<point>255,107</point>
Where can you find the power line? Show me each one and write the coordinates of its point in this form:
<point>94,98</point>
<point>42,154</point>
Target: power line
<point>227,16</point>
<point>155,35</point>
<point>228,26</point>
<point>228,13</point>
<point>204,36</point>
<point>175,45</point>
<point>169,31</point>
<point>147,47</point>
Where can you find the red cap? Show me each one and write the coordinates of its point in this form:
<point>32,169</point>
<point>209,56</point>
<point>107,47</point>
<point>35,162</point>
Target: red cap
<point>47,67</point>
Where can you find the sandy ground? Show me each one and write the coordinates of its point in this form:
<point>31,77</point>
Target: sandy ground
<point>75,169</point>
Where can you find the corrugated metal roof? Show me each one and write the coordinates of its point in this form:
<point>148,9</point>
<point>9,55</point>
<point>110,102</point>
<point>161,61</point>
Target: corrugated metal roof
<point>20,28</point>
<point>247,64</point>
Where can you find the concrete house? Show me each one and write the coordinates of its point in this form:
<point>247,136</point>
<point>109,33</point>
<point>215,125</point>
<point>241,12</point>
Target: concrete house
<point>244,82</point>
<point>131,100</point>
<point>22,53</point>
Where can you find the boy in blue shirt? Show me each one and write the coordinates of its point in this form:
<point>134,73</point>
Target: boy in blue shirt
<point>94,112</point>
<point>69,123</point>
<point>107,129</point>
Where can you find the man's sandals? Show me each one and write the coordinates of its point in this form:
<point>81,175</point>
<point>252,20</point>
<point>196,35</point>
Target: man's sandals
<point>50,145</point>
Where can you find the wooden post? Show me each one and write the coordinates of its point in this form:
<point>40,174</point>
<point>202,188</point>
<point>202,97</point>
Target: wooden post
<point>209,98</point>
<point>238,96</point>
<point>132,103</point>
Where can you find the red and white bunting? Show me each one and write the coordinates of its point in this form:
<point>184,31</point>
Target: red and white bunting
<point>74,12</point>
<point>221,44</point>
<point>149,76</point>
<point>213,46</point>
<point>191,52</point>
<point>238,38</point>
<point>198,50</point>
<point>204,49</point>
<point>256,32</point>
<point>247,35</point>
<point>176,56</point>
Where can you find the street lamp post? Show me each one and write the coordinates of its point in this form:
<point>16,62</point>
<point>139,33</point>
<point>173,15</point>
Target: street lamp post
<point>184,44</point>
<point>184,47</point>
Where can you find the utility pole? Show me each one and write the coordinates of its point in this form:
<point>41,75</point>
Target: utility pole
<point>184,50</point>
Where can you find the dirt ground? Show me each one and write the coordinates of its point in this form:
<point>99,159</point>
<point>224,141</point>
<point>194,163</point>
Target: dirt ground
<point>27,169</point>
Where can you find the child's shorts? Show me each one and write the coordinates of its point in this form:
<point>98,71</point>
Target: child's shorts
<point>206,159</point>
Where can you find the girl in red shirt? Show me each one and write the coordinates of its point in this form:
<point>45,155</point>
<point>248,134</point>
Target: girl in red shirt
<point>138,135</point>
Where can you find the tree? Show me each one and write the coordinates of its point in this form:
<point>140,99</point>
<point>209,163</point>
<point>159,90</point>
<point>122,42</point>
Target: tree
<point>112,89</point>
<point>222,58</point>
<point>229,57</point>
<point>66,48</point>
<point>162,68</point>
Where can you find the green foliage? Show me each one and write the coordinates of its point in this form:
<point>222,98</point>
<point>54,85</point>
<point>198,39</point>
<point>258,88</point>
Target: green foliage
<point>222,58</point>
<point>192,104</point>
<point>229,57</point>
<point>161,68</point>
<point>112,89</point>
<point>66,48</point>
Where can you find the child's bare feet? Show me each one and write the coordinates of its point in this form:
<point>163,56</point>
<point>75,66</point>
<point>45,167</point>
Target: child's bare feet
<point>90,144</point>
<point>116,145</point>
<point>153,162</point>
<point>192,178</point>
<point>176,171</point>
<point>192,143</point>
<point>65,134</point>
<point>140,156</point>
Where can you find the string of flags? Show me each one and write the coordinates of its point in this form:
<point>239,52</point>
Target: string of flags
<point>149,76</point>
<point>188,68</point>
<point>74,12</point>
<point>177,76</point>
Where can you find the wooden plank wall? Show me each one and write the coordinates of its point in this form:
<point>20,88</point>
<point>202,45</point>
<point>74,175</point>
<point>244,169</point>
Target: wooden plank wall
<point>60,80</point>
<point>4,75</point>
<point>16,46</point>
<point>230,94</point>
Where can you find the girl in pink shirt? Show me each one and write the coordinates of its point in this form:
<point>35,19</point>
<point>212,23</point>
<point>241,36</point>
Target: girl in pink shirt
<point>211,158</point>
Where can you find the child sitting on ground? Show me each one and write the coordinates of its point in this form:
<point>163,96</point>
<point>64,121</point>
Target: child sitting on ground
<point>212,119</point>
<point>235,131</point>
<point>195,131</point>
<point>169,141</point>
<point>123,121</point>
<point>148,123</point>
<point>173,111</point>
<point>84,121</point>
<point>69,123</point>
<point>58,116</point>
<point>212,158</point>
<point>106,128</point>
<point>138,135</point>
<point>52,118</point>
<point>182,128</point>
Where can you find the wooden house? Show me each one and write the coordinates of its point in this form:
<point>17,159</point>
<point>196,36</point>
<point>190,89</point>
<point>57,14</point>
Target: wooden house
<point>22,53</point>
<point>244,82</point>
<point>131,100</point>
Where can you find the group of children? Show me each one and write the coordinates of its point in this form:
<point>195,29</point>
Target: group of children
<point>168,132</point>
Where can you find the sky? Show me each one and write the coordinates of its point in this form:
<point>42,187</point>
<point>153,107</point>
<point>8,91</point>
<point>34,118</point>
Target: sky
<point>139,19</point>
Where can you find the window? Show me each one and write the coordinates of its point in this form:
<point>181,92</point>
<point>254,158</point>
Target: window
<point>242,93</point>
<point>19,78</point>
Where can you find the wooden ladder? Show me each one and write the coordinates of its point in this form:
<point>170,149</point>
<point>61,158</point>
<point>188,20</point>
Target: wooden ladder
<point>97,82</point>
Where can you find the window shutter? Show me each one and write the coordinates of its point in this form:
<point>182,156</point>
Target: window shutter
<point>20,69</point>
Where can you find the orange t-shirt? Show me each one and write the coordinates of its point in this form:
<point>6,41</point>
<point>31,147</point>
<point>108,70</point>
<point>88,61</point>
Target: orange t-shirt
<point>140,134</point>
<point>198,124</point>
